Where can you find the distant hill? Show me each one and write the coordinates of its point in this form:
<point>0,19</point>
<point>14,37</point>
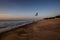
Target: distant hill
<point>58,16</point>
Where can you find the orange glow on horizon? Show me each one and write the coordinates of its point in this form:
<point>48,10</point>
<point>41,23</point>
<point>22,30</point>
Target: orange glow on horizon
<point>12,17</point>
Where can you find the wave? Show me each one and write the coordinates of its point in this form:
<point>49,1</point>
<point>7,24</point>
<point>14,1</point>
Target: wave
<point>5,26</point>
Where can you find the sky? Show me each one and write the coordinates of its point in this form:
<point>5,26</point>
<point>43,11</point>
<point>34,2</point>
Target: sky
<point>26,9</point>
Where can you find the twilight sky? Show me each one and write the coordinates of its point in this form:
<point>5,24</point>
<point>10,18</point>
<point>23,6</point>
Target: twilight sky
<point>26,9</point>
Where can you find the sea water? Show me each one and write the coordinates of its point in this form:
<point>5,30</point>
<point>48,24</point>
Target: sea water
<point>8,25</point>
<point>4,24</point>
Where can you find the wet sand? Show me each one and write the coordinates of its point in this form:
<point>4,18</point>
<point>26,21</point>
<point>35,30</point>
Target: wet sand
<point>47,29</point>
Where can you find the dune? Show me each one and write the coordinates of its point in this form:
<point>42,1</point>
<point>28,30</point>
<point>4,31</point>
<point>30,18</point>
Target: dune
<point>46,29</point>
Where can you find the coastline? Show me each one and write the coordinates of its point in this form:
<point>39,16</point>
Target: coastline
<point>8,29</point>
<point>40,30</point>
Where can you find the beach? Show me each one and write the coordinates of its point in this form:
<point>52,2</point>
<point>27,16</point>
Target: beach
<point>46,29</point>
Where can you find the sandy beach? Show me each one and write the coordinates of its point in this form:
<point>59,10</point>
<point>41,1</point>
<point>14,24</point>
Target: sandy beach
<point>46,29</point>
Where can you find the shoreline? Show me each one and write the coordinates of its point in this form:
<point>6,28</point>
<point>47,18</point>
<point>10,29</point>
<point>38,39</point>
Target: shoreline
<point>40,30</point>
<point>9,29</point>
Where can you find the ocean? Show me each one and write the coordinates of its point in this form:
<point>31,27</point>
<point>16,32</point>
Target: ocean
<point>8,25</point>
<point>4,24</point>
